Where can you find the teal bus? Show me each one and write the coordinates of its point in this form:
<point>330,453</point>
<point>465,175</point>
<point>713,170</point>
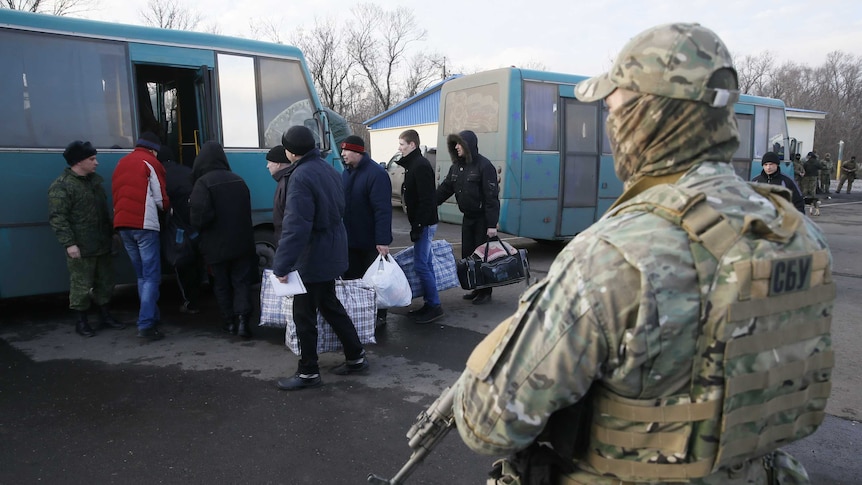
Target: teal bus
<point>65,79</point>
<point>552,154</point>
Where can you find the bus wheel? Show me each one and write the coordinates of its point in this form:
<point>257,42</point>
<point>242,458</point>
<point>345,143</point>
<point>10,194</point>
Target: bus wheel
<point>264,247</point>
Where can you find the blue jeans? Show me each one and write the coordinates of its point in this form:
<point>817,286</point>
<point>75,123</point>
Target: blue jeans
<point>143,248</point>
<point>423,264</point>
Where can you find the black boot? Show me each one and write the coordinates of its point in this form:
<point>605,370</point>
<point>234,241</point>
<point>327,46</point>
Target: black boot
<point>230,325</point>
<point>107,320</point>
<point>244,330</point>
<point>82,327</point>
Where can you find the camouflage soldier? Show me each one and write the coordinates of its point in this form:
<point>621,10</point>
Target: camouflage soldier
<point>826,174</point>
<point>848,174</point>
<point>663,338</point>
<point>798,169</point>
<point>78,214</point>
<point>809,183</point>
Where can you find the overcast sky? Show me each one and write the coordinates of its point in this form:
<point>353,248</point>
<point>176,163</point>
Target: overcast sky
<point>574,36</point>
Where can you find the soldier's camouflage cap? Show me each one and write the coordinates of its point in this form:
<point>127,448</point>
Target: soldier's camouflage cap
<point>671,60</point>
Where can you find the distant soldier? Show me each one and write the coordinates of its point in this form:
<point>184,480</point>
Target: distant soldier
<point>826,174</point>
<point>809,183</point>
<point>848,173</point>
<point>78,214</point>
<point>798,169</point>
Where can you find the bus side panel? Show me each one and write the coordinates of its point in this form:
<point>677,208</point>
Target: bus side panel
<point>540,177</point>
<point>538,219</point>
<point>34,262</point>
<point>170,56</point>
<point>576,219</point>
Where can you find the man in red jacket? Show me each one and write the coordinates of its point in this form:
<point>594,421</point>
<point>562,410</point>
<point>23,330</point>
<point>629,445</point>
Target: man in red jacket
<point>139,193</point>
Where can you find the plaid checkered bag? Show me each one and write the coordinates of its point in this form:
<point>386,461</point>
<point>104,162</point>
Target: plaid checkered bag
<point>272,307</point>
<point>443,261</point>
<point>359,300</point>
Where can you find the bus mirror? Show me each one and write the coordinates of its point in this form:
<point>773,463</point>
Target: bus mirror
<point>321,127</point>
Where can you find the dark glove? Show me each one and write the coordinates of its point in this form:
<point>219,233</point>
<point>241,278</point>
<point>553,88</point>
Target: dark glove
<point>415,233</point>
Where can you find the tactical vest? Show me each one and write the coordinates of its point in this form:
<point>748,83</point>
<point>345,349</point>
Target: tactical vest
<point>761,374</point>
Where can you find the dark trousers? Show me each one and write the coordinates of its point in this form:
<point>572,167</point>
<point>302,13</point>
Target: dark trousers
<point>321,296</point>
<point>189,279</point>
<point>474,232</point>
<point>359,260</point>
<point>232,285</point>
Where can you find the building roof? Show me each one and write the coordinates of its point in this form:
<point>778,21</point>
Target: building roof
<point>808,114</point>
<point>419,109</point>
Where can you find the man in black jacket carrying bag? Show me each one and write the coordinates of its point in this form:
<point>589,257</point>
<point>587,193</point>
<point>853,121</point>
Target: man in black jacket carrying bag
<point>473,180</point>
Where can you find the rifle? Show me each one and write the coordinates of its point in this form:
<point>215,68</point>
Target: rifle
<point>430,427</point>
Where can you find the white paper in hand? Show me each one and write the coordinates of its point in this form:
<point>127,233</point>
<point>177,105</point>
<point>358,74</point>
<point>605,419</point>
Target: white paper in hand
<point>294,285</point>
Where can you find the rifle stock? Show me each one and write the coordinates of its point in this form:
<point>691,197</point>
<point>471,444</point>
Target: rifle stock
<point>430,427</point>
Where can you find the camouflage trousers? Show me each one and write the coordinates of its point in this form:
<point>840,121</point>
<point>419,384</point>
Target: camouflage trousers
<point>94,274</point>
<point>849,179</point>
<point>825,182</point>
<point>809,187</point>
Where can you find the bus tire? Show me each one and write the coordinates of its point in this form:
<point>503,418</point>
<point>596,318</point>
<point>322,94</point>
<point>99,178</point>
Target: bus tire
<point>264,248</point>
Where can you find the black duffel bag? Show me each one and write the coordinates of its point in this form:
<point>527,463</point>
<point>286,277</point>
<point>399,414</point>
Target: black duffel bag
<point>476,272</point>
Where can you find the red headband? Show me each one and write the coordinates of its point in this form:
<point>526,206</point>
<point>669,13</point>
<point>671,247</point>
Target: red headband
<point>352,147</point>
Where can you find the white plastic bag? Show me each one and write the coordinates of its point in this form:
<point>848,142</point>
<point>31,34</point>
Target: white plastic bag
<point>390,283</point>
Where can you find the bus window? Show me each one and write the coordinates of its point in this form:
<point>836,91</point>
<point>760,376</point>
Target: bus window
<point>476,109</point>
<point>240,123</point>
<point>540,116</point>
<point>777,131</point>
<point>606,142</point>
<point>761,129</point>
<point>94,101</point>
<point>742,158</point>
<point>282,83</point>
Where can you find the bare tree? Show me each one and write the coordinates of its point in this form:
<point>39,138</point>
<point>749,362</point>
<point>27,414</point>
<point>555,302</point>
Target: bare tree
<point>169,14</point>
<point>55,7</point>
<point>754,72</point>
<point>331,66</point>
<point>266,29</point>
<point>379,40</point>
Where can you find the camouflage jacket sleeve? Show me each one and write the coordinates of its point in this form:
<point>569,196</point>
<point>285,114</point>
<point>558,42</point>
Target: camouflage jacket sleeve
<point>59,213</point>
<point>548,354</point>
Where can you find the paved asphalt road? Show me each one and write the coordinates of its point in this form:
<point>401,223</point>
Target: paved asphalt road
<point>202,407</point>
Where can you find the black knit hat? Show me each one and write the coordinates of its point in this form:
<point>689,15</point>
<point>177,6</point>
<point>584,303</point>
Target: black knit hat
<point>165,154</point>
<point>276,155</point>
<point>77,151</point>
<point>769,157</point>
<point>354,144</point>
<point>149,140</point>
<point>298,140</point>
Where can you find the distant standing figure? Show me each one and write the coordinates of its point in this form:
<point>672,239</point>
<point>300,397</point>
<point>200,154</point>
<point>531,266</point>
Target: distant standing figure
<point>78,215</point>
<point>809,183</point>
<point>280,168</point>
<point>848,174</point>
<point>826,174</point>
<point>220,209</point>
<point>798,169</point>
<point>139,193</point>
<point>473,180</point>
<point>367,211</point>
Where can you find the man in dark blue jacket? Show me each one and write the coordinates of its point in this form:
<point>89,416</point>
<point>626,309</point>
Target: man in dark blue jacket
<point>314,243</point>
<point>472,178</point>
<point>367,212</point>
<point>771,175</point>
<point>220,209</point>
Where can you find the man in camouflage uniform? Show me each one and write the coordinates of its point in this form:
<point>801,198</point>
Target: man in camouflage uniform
<point>78,214</point>
<point>798,169</point>
<point>634,318</point>
<point>826,174</point>
<point>810,179</point>
<point>848,174</point>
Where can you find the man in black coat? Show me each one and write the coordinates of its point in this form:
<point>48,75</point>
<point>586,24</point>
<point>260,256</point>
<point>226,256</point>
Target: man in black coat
<point>314,243</point>
<point>220,209</point>
<point>472,178</point>
<point>771,175</point>
<point>279,167</point>
<point>418,196</point>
